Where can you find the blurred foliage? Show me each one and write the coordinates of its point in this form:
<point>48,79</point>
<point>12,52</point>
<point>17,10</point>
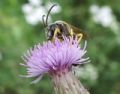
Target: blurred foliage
<point>16,36</point>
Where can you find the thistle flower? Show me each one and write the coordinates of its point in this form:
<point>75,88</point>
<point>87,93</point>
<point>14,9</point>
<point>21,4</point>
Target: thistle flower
<point>56,58</point>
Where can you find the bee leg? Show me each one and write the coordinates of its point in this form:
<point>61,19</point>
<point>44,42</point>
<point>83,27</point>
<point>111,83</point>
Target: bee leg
<point>71,33</point>
<point>56,32</point>
<point>79,36</point>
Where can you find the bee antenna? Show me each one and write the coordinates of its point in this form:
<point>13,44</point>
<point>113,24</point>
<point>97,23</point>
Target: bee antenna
<point>43,20</point>
<point>49,13</point>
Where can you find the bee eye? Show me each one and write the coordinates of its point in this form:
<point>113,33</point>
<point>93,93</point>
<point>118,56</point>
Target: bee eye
<point>52,28</point>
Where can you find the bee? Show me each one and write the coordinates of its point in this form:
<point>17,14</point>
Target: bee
<point>61,28</point>
<point>58,29</point>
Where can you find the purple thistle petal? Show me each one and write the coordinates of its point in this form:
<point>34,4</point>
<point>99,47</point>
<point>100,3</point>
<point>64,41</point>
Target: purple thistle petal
<point>52,57</point>
<point>37,80</point>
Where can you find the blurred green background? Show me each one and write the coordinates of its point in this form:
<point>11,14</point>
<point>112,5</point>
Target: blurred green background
<point>18,34</point>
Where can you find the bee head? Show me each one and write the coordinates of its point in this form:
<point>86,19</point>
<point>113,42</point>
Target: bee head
<point>50,31</point>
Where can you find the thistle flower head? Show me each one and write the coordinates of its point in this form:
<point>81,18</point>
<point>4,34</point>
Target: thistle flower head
<point>53,57</point>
